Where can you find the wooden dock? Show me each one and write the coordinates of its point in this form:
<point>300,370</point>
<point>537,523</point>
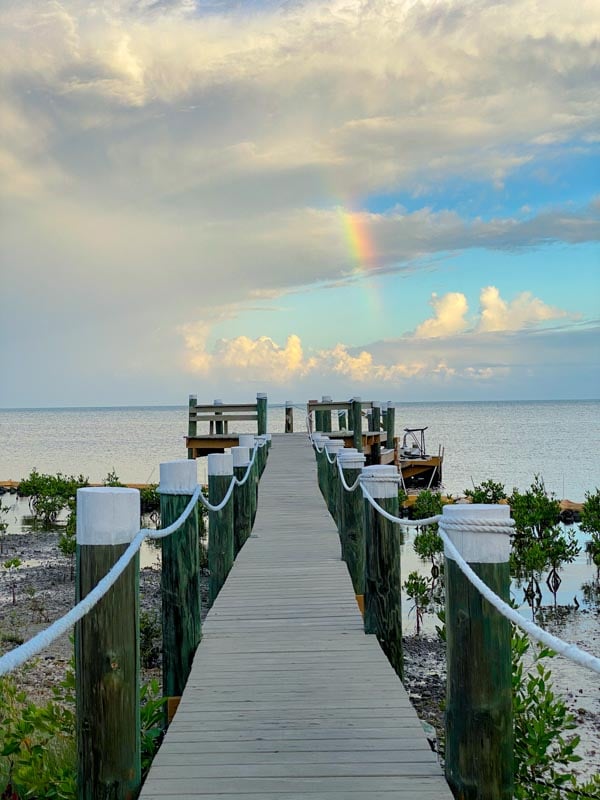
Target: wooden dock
<point>288,698</point>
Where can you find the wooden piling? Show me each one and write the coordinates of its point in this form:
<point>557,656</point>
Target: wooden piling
<point>383,584</point>
<point>390,424</point>
<point>342,420</point>
<point>326,415</point>
<point>242,506</point>
<point>352,518</point>
<point>180,576</point>
<point>192,424</point>
<point>220,523</point>
<point>249,440</point>
<point>289,416</point>
<point>107,648</point>
<point>356,407</point>
<point>319,441</point>
<point>479,728</point>
<point>332,447</point>
<point>376,426</point>
<point>218,424</point>
<point>261,413</point>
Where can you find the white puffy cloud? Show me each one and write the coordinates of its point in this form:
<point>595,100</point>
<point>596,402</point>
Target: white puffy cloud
<point>450,310</point>
<point>524,311</point>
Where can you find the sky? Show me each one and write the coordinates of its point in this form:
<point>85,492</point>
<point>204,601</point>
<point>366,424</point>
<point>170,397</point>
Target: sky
<point>384,198</point>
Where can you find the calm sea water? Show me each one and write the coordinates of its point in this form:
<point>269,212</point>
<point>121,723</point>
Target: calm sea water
<point>509,442</point>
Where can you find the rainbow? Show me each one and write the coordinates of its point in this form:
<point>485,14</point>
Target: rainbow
<point>362,250</point>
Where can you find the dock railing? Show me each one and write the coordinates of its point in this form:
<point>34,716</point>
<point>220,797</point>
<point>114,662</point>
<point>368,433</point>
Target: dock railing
<point>217,434</point>
<point>106,613</point>
<point>479,726</point>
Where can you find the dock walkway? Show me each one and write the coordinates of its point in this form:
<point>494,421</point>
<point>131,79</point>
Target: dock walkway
<point>288,698</point>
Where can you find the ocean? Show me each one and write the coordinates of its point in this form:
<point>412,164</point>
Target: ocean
<point>509,442</point>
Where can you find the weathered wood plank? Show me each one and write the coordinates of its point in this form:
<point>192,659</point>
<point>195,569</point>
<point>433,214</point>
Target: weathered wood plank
<point>277,703</point>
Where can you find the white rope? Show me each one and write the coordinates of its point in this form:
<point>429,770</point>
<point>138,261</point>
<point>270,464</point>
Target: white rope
<point>566,649</point>
<point>242,481</point>
<point>17,657</point>
<point>410,523</point>
<point>163,532</point>
<point>331,460</point>
<point>343,479</point>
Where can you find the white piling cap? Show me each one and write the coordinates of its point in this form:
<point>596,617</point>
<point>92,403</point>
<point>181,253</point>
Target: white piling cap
<point>246,440</point>
<point>381,480</point>
<point>220,464</point>
<point>178,477</point>
<point>491,546</point>
<point>334,445</point>
<point>350,458</point>
<point>217,402</point>
<point>267,436</point>
<point>261,396</point>
<point>289,403</point>
<point>193,397</point>
<point>377,404</point>
<point>241,456</point>
<point>107,515</point>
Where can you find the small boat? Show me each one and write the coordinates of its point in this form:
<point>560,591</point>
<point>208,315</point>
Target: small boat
<point>419,470</point>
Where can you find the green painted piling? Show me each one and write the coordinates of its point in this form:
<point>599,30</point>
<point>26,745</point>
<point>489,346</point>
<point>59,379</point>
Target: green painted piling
<point>390,425</point>
<point>479,727</point>
<point>376,426</point>
<point>220,523</point>
<point>218,423</point>
<point>352,518</point>
<point>180,576</point>
<point>319,443</point>
<point>289,416</point>
<point>326,415</point>
<point>192,424</point>
<point>107,648</point>
<point>356,408</point>
<point>242,504</point>
<point>332,447</point>
<point>383,585</point>
<point>249,440</point>
<point>342,420</point>
<point>261,413</point>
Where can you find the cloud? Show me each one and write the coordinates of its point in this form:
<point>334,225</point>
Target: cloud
<point>524,311</point>
<point>449,316</point>
<point>496,314</point>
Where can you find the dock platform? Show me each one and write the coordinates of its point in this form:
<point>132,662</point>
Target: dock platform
<point>288,698</point>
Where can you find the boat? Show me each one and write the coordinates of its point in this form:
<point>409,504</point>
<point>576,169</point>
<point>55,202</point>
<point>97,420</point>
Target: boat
<point>419,470</point>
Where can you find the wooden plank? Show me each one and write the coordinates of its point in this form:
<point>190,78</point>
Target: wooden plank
<point>287,697</point>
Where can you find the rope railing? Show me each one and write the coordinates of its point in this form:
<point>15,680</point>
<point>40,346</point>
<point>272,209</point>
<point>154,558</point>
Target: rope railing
<point>566,649</point>
<point>20,655</point>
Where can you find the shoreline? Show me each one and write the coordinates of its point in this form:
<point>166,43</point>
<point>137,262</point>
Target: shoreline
<point>45,591</point>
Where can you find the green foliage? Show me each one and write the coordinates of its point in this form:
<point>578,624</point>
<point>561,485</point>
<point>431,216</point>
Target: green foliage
<point>544,746</point>
<point>112,479</point>
<point>417,589</point>
<point>427,504</point>
<point>49,494</point>
<point>428,544</point>
<point>37,744</point>
<point>150,639</point>
<point>487,492</point>
<point>539,542</point>
<point>590,523</point>
<point>150,499</point>
<point>402,497</point>
<point>152,713</point>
